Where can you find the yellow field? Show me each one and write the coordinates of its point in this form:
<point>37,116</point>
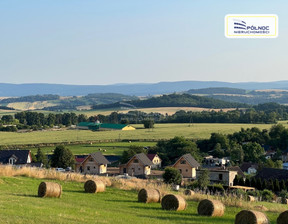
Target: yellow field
<point>161,131</point>
<point>30,105</point>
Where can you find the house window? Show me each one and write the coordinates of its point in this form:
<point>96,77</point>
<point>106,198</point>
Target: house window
<point>221,176</point>
<point>91,159</point>
<point>186,170</point>
<point>136,161</point>
<point>139,168</point>
<point>12,161</point>
<point>94,167</point>
<point>183,162</point>
<point>88,167</point>
<point>180,170</point>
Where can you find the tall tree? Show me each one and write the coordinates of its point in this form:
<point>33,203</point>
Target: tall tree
<point>62,157</point>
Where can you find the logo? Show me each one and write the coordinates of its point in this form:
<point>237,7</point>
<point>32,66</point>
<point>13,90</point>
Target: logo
<point>251,26</point>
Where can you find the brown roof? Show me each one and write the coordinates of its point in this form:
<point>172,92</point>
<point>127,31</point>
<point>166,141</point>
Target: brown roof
<point>190,159</point>
<point>98,157</point>
<point>230,168</point>
<point>142,158</point>
<point>246,165</point>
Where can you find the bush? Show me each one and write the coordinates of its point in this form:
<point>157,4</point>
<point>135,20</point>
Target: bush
<point>267,195</point>
<point>148,123</point>
<point>172,176</point>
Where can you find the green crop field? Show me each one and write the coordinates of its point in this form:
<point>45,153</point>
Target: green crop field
<point>161,131</point>
<point>19,204</point>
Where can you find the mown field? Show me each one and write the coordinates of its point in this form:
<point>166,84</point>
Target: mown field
<point>161,131</point>
<point>19,204</point>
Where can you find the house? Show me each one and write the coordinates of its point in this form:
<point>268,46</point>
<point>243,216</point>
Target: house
<point>155,160</point>
<point>285,166</point>
<point>138,165</point>
<point>284,156</point>
<point>95,164</point>
<point>187,166</point>
<point>15,157</point>
<point>248,167</point>
<point>222,176</point>
<point>271,173</point>
<point>210,161</point>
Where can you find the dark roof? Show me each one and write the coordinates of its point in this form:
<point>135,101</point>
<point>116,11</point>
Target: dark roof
<point>236,168</point>
<point>21,156</point>
<point>246,165</point>
<point>98,157</point>
<point>143,159</point>
<point>271,173</point>
<point>190,159</point>
<point>152,156</point>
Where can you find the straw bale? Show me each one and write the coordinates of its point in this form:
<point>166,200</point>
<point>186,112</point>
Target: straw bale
<point>49,189</point>
<point>173,202</point>
<point>189,192</point>
<point>94,186</point>
<point>251,217</point>
<point>149,195</point>
<point>283,218</point>
<point>208,207</point>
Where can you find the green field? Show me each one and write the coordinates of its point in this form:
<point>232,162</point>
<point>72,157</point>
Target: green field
<point>161,131</point>
<point>112,148</point>
<point>19,204</point>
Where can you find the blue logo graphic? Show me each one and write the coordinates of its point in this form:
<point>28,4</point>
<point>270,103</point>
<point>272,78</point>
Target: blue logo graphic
<point>239,24</point>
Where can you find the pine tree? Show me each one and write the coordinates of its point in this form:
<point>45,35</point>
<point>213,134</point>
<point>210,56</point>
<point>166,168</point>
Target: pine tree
<point>276,185</point>
<point>282,185</point>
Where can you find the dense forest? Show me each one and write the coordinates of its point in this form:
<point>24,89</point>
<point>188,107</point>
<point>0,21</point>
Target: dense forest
<point>175,100</point>
<point>30,98</point>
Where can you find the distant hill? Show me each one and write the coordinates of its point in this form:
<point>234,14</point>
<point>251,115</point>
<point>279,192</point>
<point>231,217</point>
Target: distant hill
<point>253,97</point>
<point>129,89</point>
<point>173,100</point>
<point>55,102</point>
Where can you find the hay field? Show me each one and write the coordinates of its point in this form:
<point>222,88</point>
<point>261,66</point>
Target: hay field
<point>161,131</point>
<point>19,204</point>
<point>31,105</point>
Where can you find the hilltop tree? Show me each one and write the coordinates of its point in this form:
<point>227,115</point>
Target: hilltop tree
<point>172,176</point>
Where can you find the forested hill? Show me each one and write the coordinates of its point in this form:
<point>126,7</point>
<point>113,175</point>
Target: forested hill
<point>174,100</point>
<point>217,90</point>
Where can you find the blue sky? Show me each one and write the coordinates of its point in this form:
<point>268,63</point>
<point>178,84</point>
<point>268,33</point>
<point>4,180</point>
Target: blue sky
<point>135,41</point>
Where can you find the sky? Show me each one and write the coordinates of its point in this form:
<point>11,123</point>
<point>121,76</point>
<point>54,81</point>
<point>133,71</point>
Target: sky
<point>100,42</point>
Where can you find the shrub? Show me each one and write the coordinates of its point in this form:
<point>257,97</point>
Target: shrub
<point>172,176</point>
<point>267,195</point>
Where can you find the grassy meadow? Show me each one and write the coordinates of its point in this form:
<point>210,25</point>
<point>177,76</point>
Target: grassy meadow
<point>19,204</point>
<point>161,131</point>
<point>111,148</point>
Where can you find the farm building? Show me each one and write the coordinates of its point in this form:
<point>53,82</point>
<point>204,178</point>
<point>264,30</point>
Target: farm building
<point>94,126</point>
<point>95,163</point>
<point>187,166</point>
<point>15,157</point>
<point>224,177</point>
<point>138,165</point>
<point>155,159</point>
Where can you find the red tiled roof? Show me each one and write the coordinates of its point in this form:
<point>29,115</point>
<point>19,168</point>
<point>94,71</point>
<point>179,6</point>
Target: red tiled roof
<point>151,156</point>
<point>80,160</point>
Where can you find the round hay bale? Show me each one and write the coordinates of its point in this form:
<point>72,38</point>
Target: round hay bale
<point>94,186</point>
<point>189,192</point>
<point>149,195</point>
<point>284,201</point>
<point>208,207</point>
<point>250,198</point>
<point>49,189</point>
<point>251,217</point>
<point>173,202</point>
<point>283,218</point>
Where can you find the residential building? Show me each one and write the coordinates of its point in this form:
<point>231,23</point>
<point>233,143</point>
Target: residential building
<point>222,176</point>
<point>95,164</point>
<point>187,166</point>
<point>138,165</point>
<point>15,157</point>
